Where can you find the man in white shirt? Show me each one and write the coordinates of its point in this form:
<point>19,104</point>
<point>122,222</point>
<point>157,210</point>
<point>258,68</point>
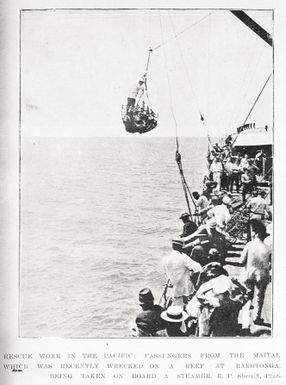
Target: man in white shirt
<point>247,183</point>
<point>244,163</point>
<point>201,203</point>
<point>216,169</point>
<point>178,268</point>
<point>256,259</point>
<point>221,213</point>
<point>258,206</point>
<point>134,92</point>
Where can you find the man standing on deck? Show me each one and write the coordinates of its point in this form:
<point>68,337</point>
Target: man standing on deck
<point>247,184</point>
<point>244,163</point>
<point>203,240</point>
<point>235,175</point>
<point>216,169</point>
<point>259,161</point>
<point>189,226</point>
<point>178,268</point>
<point>256,259</point>
<point>201,203</point>
<point>209,187</point>
<point>228,171</point>
<point>221,213</point>
<point>149,321</point>
<point>218,315</point>
<point>258,206</point>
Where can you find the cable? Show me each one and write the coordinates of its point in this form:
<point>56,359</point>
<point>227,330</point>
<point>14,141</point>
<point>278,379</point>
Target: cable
<point>169,86</point>
<point>178,155</point>
<point>254,104</point>
<point>189,80</point>
<point>249,84</point>
<point>256,100</point>
<point>184,30</point>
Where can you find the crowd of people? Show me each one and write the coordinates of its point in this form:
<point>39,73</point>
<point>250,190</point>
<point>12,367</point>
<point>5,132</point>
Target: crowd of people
<point>201,298</point>
<point>232,170</point>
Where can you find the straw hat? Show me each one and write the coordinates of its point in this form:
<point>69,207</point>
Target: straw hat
<point>174,313</point>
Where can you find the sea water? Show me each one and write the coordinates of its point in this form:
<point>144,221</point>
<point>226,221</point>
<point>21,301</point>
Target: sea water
<point>97,216</point>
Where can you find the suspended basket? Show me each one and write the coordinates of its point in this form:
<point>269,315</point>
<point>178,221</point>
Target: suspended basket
<point>139,118</point>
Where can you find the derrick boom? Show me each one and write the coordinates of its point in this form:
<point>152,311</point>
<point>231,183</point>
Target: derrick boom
<point>242,16</point>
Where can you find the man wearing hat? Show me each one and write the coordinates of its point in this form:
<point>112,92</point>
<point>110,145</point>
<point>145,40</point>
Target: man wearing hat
<point>258,206</point>
<point>219,311</point>
<point>198,244</point>
<point>216,169</point>
<point>134,92</point>
<point>174,317</point>
<point>179,268</point>
<point>189,226</point>
<point>221,213</point>
<point>149,321</point>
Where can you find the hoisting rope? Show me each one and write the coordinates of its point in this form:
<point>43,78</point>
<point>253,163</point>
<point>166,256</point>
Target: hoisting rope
<point>254,104</point>
<point>145,95</point>
<point>179,33</point>
<point>145,75</point>
<point>186,189</point>
<point>245,84</point>
<point>148,60</point>
<point>189,80</point>
<point>163,45</point>
<point>172,38</point>
<point>184,183</point>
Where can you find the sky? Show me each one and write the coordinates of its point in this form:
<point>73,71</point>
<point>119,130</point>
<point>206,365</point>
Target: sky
<point>77,67</point>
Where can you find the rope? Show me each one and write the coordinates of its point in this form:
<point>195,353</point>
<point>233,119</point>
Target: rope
<point>169,86</point>
<point>181,32</point>
<point>209,60</point>
<point>252,76</point>
<point>186,189</point>
<point>254,104</point>
<point>189,80</point>
<point>256,100</point>
<point>148,61</point>
<point>184,184</point>
<point>146,72</point>
<point>250,70</point>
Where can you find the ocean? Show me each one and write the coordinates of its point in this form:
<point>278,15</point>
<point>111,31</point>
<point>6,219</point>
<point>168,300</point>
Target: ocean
<point>97,217</point>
